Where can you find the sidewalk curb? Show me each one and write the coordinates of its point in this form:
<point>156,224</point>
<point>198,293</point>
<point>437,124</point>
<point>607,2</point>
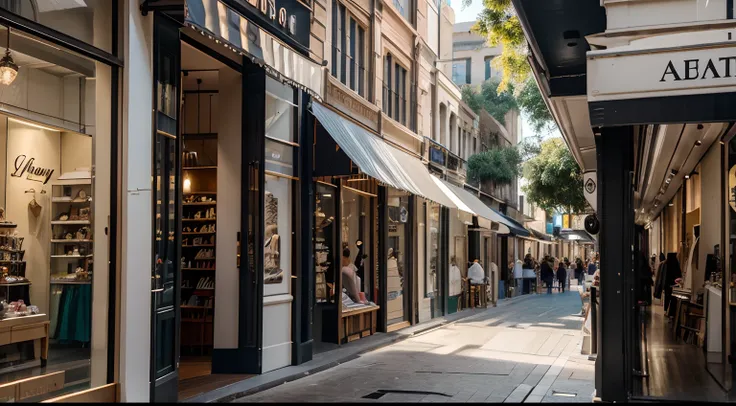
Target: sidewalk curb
<point>278,377</point>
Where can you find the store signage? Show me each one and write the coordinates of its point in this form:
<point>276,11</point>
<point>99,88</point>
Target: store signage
<point>661,72</point>
<point>358,109</point>
<point>24,167</point>
<point>437,155</point>
<point>288,16</point>
<point>590,186</point>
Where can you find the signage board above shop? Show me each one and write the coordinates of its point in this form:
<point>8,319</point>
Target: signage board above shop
<point>683,71</point>
<point>290,17</point>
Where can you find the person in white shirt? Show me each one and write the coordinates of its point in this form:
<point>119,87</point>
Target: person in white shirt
<point>476,275</point>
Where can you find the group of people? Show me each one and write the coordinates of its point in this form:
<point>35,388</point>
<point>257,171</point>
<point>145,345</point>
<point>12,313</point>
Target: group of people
<point>551,269</point>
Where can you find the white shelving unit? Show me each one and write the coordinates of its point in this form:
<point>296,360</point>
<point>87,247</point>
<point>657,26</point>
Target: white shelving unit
<point>71,231</point>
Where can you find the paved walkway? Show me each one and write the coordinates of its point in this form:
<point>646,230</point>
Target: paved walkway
<point>528,352</point>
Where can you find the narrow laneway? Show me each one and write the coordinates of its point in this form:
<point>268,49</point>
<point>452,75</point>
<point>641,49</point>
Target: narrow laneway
<point>528,351</point>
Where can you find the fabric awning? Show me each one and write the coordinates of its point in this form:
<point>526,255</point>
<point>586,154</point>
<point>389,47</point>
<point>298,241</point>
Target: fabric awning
<point>514,226</point>
<point>467,202</point>
<point>378,159</point>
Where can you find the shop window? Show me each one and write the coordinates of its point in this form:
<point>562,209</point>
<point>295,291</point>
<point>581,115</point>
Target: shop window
<point>397,261</point>
<point>461,71</point>
<point>55,149</point>
<point>348,49</point>
<point>281,128</point>
<point>355,236</point>
<point>277,246</point>
<point>86,20</point>
<point>325,242</point>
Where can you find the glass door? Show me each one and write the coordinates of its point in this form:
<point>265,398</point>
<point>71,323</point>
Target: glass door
<point>165,285</point>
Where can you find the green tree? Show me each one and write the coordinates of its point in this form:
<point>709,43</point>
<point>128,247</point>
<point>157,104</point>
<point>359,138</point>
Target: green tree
<point>496,103</point>
<point>532,103</point>
<point>500,25</point>
<point>499,165</point>
<point>554,180</point>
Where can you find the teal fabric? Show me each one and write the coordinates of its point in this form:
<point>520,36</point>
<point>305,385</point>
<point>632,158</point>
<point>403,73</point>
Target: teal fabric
<point>75,314</point>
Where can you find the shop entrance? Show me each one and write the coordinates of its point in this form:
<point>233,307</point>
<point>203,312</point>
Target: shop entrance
<point>197,206</point>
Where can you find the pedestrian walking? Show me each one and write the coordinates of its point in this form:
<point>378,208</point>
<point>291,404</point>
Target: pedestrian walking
<point>562,276</point>
<point>547,274</point>
<point>579,271</point>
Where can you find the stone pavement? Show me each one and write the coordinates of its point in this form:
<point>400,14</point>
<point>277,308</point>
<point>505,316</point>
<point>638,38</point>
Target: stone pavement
<point>529,352</point>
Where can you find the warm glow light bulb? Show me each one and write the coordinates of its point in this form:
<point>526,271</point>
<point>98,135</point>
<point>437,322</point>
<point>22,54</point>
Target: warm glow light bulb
<point>8,69</point>
<point>187,185</point>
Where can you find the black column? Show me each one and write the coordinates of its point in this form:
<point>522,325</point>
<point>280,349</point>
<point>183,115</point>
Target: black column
<point>303,308</point>
<point>382,232</point>
<point>474,243</point>
<point>444,266</point>
<point>615,165</point>
<point>503,265</point>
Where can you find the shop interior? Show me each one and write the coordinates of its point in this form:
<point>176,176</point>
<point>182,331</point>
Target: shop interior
<point>210,159</point>
<point>683,347</point>
<point>54,206</point>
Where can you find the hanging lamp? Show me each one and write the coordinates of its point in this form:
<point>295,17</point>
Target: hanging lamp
<point>8,68</point>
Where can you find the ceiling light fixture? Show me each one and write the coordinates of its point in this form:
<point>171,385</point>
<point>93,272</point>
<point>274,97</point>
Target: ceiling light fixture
<point>687,176</point>
<point>8,68</point>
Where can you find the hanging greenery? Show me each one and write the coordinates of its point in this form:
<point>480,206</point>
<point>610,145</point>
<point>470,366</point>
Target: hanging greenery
<point>499,165</point>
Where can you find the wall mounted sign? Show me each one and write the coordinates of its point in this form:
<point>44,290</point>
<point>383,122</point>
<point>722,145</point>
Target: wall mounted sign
<point>288,16</point>
<point>359,109</point>
<point>24,166</point>
<point>702,69</point>
<point>590,188</point>
<point>437,155</point>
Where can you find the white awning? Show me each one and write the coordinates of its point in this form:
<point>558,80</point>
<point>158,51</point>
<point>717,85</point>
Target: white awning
<point>215,18</point>
<point>378,159</point>
<point>465,201</point>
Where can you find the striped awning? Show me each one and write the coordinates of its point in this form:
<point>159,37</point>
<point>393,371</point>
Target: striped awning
<point>217,20</point>
<point>468,202</point>
<point>377,159</point>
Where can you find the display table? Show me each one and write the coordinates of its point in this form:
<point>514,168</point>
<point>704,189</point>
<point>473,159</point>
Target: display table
<point>27,328</point>
<point>358,322</point>
<point>714,305</point>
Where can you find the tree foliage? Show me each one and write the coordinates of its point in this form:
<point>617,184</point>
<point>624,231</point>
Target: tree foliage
<point>500,25</point>
<point>500,165</point>
<point>554,180</point>
<point>496,103</point>
<point>532,103</point>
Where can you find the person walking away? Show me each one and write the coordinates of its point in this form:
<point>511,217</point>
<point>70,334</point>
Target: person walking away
<point>579,271</point>
<point>592,267</point>
<point>562,276</point>
<point>645,280</point>
<point>547,274</point>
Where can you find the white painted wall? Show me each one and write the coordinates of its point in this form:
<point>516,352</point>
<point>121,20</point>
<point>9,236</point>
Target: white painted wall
<point>137,206</point>
<point>229,157</point>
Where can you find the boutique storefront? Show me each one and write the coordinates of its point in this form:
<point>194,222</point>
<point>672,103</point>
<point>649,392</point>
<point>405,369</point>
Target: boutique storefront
<point>58,148</point>
<point>232,254</point>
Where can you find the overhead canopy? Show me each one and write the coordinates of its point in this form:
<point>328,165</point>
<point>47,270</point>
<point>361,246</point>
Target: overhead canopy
<point>541,237</point>
<point>514,226</point>
<point>378,159</point>
<point>465,201</point>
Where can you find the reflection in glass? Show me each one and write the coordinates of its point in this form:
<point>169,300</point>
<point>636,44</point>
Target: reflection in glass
<point>398,217</point>
<point>277,243</point>
<point>355,236</point>
<point>325,235</point>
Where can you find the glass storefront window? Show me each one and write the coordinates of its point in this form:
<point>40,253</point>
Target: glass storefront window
<point>86,20</point>
<point>397,265</point>
<point>325,240</point>
<point>432,277</point>
<point>281,129</point>
<point>277,250</point>
<point>355,236</point>
<point>55,145</point>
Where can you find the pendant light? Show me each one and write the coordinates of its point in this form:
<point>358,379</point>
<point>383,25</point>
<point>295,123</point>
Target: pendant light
<point>8,68</point>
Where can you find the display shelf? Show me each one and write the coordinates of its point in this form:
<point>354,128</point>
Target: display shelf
<point>198,246</point>
<point>207,219</point>
<point>58,282</point>
<point>67,200</point>
<point>72,256</point>
<point>198,233</point>
<point>9,250</point>
<point>15,284</point>
<point>200,193</point>
<point>62,241</point>
<point>73,182</point>
<point>194,168</point>
<point>200,204</point>
<point>60,222</point>
<point>8,225</point>
<point>11,261</point>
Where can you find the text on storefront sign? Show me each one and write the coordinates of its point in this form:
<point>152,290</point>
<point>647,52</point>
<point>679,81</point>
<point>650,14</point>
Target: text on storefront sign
<point>692,69</point>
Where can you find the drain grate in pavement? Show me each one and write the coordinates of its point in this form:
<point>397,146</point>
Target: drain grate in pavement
<point>462,373</point>
<point>381,392</point>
